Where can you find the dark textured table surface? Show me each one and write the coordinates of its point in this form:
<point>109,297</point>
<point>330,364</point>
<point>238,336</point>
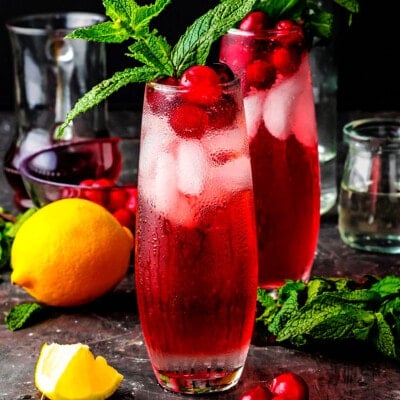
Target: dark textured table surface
<point>110,327</point>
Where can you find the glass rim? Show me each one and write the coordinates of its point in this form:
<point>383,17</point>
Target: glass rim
<point>366,130</point>
<point>264,33</point>
<point>24,24</point>
<point>170,89</point>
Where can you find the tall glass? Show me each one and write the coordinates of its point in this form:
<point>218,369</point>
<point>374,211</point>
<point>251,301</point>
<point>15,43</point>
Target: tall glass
<point>196,257</point>
<point>281,124</point>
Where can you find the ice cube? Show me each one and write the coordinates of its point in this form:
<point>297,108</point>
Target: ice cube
<point>232,141</point>
<point>235,175</point>
<point>253,106</point>
<point>281,100</point>
<point>191,167</point>
<point>160,187</point>
<point>157,138</point>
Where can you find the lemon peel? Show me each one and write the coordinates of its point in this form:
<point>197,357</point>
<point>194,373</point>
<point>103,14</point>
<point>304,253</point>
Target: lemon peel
<point>72,372</point>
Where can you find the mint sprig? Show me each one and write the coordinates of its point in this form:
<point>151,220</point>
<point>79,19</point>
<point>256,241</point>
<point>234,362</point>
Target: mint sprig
<point>335,310</point>
<point>129,21</point>
<point>311,13</point>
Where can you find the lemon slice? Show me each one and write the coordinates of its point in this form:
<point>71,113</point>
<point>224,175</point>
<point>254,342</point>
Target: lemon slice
<point>71,372</point>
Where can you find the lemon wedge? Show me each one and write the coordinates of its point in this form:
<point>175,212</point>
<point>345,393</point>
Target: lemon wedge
<point>71,372</point>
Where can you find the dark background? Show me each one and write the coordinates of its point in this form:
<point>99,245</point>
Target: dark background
<point>367,52</point>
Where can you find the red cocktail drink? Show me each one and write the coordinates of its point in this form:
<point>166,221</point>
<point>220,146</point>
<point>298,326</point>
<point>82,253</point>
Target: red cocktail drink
<point>196,258</point>
<point>281,125</point>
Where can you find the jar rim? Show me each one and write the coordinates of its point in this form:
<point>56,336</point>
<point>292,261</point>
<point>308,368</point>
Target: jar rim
<point>373,129</point>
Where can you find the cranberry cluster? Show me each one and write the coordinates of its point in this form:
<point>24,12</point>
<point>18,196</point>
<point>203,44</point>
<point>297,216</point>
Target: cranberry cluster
<point>201,104</point>
<point>281,57</point>
<point>119,200</point>
<point>286,386</point>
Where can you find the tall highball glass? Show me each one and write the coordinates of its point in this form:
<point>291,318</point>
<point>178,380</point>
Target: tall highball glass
<point>196,257</point>
<point>281,124</point>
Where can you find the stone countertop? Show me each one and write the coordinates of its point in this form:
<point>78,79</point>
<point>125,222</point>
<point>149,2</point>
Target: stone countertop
<point>111,328</point>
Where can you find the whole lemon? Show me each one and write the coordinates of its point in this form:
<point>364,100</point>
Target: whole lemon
<point>70,252</point>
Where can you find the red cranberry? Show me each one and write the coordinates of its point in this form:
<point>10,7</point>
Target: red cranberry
<point>255,21</point>
<point>285,60</point>
<point>290,386</point>
<point>202,83</point>
<point>117,199</point>
<point>257,393</point>
<point>188,120</point>
<point>260,74</point>
<point>125,218</point>
<point>132,201</point>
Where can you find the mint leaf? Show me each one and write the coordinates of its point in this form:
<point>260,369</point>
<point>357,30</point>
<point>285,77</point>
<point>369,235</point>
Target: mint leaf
<point>194,46</point>
<point>153,51</point>
<point>22,315</point>
<point>129,21</point>
<point>105,88</point>
<point>335,309</point>
<point>384,341</point>
<point>107,32</point>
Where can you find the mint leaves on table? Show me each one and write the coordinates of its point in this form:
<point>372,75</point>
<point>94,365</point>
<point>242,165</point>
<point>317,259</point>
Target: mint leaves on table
<point>129,21</point>
<point>335,310</point>
<point>23,315</point>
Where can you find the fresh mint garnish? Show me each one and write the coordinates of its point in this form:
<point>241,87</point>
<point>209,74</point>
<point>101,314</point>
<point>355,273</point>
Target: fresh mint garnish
<point>335,310</point>
<point>129,21</point>
<point>311,13</point>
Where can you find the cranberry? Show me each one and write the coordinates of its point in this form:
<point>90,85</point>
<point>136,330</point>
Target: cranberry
<point>290,386</point>
<point>222,113</point>
<point>293,32</point>
<point>202,83</point>
<point>285,25</point>
<point>285,60</point>
<point>117,199</point>
<point>260,74</point>
<point>257,393</point>
<point>225,74</point>
<point>255,21</point>
<point>188,120</point>
<point>125,218</point>
<point>93,193</point>
<point>132,201</point>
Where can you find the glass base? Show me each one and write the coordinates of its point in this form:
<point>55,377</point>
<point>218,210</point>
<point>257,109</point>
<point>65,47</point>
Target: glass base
<point>389,244</point>
<point>200,382</point>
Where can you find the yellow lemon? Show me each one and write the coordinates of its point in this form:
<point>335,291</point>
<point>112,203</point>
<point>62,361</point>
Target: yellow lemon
<point>70,252</point>
<point>71,372</point>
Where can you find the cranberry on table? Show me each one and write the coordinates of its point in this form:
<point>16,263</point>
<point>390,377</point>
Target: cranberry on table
<point>290,386</point>
<point>257,393</point>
